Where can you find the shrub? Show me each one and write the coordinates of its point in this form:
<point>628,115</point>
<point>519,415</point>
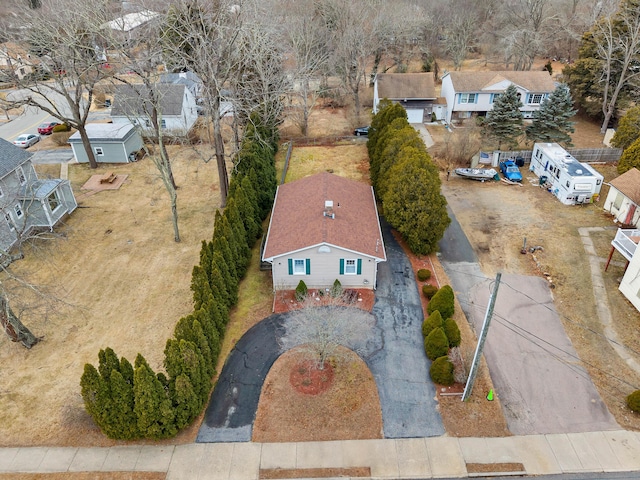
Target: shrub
<point>429,291</point>
<point>452,332</point>
<point>633,401</point>
<point>301,291</point>
<point>61,138</point>
<point>441,371</point>
<point>63,127</point>
<point>436,344</point>
<point>432,322</point>
<point>336,289</point>
<point>424,274</point>
<point>443,301</point>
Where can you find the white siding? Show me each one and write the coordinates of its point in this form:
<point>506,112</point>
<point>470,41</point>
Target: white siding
<point>620,214</point>
<point>630,285</point>
<point>324,270</point>
<point>448,92</point>
<point>415,115</point>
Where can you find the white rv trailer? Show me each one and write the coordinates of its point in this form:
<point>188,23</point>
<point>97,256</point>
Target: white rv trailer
<point>568,179</point>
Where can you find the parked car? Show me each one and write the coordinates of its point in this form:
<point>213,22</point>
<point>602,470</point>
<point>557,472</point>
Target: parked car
<point>361,131</point>
<point>47,128</point>
<point>510,171</point>
<point>26,140</point>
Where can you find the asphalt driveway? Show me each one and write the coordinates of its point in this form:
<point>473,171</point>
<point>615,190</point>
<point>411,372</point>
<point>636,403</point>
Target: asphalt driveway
<point>394,354</point>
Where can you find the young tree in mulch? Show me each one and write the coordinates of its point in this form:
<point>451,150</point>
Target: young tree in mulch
<point>321,330</point>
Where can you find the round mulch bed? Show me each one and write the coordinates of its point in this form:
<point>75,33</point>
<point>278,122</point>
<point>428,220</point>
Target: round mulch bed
<point>307,377</point>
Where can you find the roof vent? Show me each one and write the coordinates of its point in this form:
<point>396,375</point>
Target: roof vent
<point>328,209</point>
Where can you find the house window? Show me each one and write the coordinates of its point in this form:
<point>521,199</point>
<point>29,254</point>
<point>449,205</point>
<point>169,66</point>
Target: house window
<point>53,201</point>
<point>163,123</point>
<point>20,174</point>
<point>350,266</point>
<point>494,97</point>
<point>468,97</point>
<point>147,123</point>
<point>299,266</point>
<point>618,202</point>
<point>18,210</point>
<point>99,151</point>
<point>535,98</point>
<point>7,217</point>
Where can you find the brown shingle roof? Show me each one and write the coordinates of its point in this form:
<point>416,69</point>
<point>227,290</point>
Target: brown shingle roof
<point>532,81</point>
<point>298,220</point>
<point>406,85</point>
<point>629,184</point>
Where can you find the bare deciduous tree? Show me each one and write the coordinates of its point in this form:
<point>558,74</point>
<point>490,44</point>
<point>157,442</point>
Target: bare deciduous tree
<point>321,327</point>
<point>67,38</point>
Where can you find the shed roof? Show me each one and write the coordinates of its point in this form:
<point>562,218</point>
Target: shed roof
<point>133,100</point>
<point>406,85</point>
<point>298,219</point>
<point>629,184</point>
<point>130,21</point>
<point>532,81</point>
<point>11,157</point>
<point>105,132</point>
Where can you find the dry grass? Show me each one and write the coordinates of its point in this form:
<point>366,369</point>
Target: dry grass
<point>126,283</point>
<point>349,161</point>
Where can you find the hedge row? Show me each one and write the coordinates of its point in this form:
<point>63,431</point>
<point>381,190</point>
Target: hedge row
<point>441,335</point>
<point>406,180</point>
<point>132,401</point>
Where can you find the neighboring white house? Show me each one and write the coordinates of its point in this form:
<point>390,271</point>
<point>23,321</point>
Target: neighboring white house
<point>414,91</point>
<point>175,103</point>
<point>626,242</point>
<point>111,142</point>
<point>624,197</point>
<point>26,202</point>
<point>16,60</point>
<point>470,93</point>
<point>322,228</point>
<point>131,27</point>
<point>571,181</point>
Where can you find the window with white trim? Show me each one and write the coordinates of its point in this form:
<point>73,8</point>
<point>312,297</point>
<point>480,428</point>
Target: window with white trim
<point>535,98</point>
<point>468,97</point>
<point>18,210</point>
<point>349,267</point>
<point>9,220</point>
<point>163,123</point>
<point>99,151</point>
<point>617,203</point>
<point>20,174</point>
<point>53,201</point>
<point>494,97</point>
<point>298,267</point>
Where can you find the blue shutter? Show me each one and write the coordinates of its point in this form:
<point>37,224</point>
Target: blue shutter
<point>308,266</point>
<point>475,97</point>
<point>290,261</point>
<point>342,266</point>
<point>491,98</point>
<point>528,97</point>
<point>359,271</point>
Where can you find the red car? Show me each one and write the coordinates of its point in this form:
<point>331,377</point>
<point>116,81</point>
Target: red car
<point>47,128</point>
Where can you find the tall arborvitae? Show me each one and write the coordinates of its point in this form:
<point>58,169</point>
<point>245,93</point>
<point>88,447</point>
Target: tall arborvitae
<point>221,245</point>
<point>188,328</point>
<point>219,288</point>
<point>210,329</point>
<point>124,424</point>
<point>229,281</point>
<point>200,286</point>
<point>233,214</point>
<point>186,403</point>
<point>247,214</point>
<point>96,395</point>
<point>108,361</point>
<point>183,357</point>
<point>206,253</point>
<point>153,407</point>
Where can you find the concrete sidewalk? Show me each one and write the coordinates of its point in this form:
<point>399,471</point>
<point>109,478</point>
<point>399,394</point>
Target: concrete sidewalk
<point>612,451</point>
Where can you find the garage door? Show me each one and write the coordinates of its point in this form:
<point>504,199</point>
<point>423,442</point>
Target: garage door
<point>415,115</point>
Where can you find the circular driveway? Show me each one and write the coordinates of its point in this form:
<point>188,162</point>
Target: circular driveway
<point>394,354</point>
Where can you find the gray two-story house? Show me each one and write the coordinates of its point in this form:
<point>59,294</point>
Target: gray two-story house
<point>27,202</point>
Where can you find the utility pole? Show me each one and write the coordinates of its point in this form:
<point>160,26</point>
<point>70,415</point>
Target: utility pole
<point>483,335</point>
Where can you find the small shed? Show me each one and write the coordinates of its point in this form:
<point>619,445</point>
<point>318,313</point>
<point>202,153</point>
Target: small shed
<point>624,197</point>
<point>111,142</point>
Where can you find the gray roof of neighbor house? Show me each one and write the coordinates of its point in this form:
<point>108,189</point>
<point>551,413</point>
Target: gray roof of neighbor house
<point>298,219</point>
<point>11,157</point>
<point>105,132</point>
<point>406,85</point>
<point>532,81</point>
<point>134,101</point>
<point>629,184</point>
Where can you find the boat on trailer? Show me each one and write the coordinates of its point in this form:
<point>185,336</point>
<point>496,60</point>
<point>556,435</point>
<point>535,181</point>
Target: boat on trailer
<point>481,174</point>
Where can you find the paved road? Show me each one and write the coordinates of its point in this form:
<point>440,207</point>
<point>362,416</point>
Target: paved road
<point>394,353</point>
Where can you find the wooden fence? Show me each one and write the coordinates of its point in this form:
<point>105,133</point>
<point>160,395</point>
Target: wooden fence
<point>586,155</point>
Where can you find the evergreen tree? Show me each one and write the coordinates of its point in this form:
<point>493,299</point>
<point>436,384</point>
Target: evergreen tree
<point>628,130</point>
<point>185,401</point>
<point>552,124</point>
<point>154,411</point>
<point>200,286</point>
<point>108,362</point>
<point>387,113</point>
<point>630,157</point>
<point>206,253</point>
<point>123,422</point>
<point>210,330</point>
<point>183,357</point>
<point>96,395</point>
<point>247,214</point>
<point>228,280</point>
<point>240,236</point>
<point>413,204</point>
<point>504,121</point>
<point>249,190</point>
<point>221,246</point>
<point>392,139</point>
